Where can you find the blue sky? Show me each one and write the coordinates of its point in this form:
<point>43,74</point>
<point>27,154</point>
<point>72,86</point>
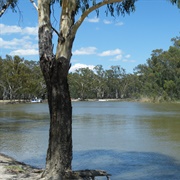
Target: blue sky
<point>125,41</point>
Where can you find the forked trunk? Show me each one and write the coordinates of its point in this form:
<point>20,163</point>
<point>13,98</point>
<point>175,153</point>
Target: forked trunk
<point>55,71</point>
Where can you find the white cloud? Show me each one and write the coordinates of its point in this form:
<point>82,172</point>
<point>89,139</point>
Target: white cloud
<point>118,57</point>
<point>74,60</point>
<point>79,65</point>
<point>93,20</point>
<point>25,43</point>
<point>119,24</point>
<point>111,52</point>
<point>24,52</point>
<point>6,29</point>
<point>22,47</point>
<point>124,60</point>
<point>30,31</point>
<point>112,22</point>
<point>127,60</point>
<point>85,51</point>
<point>107,21</point>
<point>128,56</point>
<point>7,44</point>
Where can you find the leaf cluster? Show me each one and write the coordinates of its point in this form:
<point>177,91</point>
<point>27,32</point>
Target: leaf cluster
<point>176,2</point>
<point>121,7</point>
<point>12,3</point>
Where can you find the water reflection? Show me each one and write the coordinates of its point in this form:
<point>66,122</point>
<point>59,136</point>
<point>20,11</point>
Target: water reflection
<point>129,140</point>
<point>129,165</point>
<point>24,131</point>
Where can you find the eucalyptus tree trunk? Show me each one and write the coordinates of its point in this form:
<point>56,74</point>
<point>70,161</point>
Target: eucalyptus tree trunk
<point>55,71</point>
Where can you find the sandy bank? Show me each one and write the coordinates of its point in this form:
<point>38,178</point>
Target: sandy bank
<point>12,169</point>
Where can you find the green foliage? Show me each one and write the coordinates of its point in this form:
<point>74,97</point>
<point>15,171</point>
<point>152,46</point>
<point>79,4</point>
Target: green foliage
<point>160,77</point>
<point>20,79</point>
<point>177,2</point>
<point>99,83</point>
<point>80,86</point>
<point>121,8</point>
<point>12,3</point>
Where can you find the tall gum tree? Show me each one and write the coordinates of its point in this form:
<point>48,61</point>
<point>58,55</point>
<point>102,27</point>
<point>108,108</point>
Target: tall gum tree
<point>55,69</point>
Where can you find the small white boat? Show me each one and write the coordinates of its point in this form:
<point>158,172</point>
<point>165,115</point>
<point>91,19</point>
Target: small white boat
<point>102,100</point>
<point>36,100</point>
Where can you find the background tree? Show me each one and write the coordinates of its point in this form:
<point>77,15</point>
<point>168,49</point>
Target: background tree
<point>100,83</point>
<point>20,79</point>
<point>160,77</point>
<point>12,69</point>
<point>74,85</point>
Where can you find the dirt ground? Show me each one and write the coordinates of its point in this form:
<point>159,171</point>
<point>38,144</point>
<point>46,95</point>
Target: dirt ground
<point>10,169</point>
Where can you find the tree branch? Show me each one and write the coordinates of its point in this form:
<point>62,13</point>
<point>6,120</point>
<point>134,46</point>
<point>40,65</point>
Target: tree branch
<point>60,37</point>
<point>34,4</point>
<point>4,7</point>
<point>88,11</point>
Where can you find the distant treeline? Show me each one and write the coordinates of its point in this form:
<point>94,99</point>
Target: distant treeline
<point>157,80</point>
<point>20,79</point>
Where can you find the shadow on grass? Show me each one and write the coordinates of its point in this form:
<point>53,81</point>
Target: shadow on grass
<point>129,165</point>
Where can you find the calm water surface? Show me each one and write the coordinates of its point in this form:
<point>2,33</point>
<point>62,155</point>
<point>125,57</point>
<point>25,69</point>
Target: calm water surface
<point>132,141</point>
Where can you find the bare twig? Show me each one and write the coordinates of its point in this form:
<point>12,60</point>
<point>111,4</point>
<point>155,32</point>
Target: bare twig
<point>34,4</point>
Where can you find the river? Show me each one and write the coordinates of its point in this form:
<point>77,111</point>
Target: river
<point>130,140</point>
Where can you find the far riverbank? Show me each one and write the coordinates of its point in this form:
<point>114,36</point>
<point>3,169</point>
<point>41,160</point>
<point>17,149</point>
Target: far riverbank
<point>142,100</point>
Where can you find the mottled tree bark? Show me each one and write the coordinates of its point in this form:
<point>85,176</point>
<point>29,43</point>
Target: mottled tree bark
<point>55,71</point>
<point>59,154</point>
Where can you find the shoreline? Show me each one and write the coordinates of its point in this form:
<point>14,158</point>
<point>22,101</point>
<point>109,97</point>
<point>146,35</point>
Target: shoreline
<point>13,101</point>
<point>13,169</point>
<point>143,100</point>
